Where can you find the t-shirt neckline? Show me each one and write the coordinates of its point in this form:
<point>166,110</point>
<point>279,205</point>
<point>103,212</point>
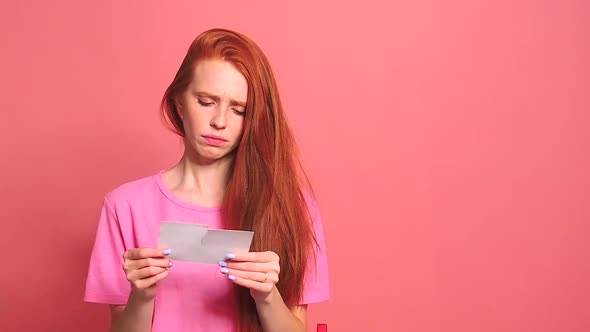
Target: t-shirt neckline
<point>172,197</point>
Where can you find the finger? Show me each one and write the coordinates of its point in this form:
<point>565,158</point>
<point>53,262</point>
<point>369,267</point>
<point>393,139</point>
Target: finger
<point>148,282</point>
<point>141,263</point>
<point>252,267</point>
<point>140,253</point>
<point>259,257</point>
<point>251,284</point>
<point>254,276</point>
<point>146,272</point>
<point>268,277</point>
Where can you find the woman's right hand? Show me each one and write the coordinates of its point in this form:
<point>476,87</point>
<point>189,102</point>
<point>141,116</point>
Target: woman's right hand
<point>144,267</point>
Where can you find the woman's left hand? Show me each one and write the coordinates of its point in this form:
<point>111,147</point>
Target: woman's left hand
<point>258,271</point>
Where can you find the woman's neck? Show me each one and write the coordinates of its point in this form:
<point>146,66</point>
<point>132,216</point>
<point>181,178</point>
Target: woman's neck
<point>202,183</point>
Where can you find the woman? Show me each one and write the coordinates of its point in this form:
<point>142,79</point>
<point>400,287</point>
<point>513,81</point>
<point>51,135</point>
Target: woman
<point>239,171</point>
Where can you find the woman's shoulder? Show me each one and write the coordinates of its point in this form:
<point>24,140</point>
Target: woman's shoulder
<point>133,190</point>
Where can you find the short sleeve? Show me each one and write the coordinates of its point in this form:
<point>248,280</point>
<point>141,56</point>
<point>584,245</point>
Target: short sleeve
<point>106,281</point>
<point>317,284</point>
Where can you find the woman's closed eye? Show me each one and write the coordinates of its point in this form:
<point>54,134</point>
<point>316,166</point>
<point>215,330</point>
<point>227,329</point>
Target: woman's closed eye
<point>239,111</point>
<point>204,103</point>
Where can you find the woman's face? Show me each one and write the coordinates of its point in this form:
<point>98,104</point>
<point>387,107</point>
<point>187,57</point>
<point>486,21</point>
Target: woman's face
<point>213,109</point>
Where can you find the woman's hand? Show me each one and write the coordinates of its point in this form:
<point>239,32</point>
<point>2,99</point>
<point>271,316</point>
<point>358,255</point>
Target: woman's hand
<point>144,267</point>
<point>258,271</point>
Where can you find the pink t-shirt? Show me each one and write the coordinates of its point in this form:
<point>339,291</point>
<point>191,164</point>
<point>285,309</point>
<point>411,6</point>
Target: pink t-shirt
<point>194,297</point>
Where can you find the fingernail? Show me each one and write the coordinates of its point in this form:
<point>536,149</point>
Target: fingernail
<point>231,256</point>
<point>167,252</point>
<point>231,277</point>
<point>222,263</point>
<point>224,270</point>
<point>170,264</point>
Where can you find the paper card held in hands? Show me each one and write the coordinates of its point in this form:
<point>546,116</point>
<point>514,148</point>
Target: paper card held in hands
<point>196,243</point>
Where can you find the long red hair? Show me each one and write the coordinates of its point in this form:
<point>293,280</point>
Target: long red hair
<point>267,191</point>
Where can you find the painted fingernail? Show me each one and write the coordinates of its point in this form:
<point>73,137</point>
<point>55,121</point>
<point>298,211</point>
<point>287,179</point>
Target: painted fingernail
<point>224,270</point>
<point>231,256</point>
<point>231,277</point>
<point>167,252</point>
<point>170,264</point>
<point>222,263</point>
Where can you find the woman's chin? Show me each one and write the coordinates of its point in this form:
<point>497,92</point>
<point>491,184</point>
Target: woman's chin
<point>209,155</point>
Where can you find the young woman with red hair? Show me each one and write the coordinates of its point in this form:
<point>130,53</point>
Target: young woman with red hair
<point>239,170</point>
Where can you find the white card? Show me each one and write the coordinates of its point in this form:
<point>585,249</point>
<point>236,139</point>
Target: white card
<point>196,243</point>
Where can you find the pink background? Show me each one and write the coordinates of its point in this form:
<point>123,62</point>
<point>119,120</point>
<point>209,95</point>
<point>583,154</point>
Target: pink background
<point>448,142</point>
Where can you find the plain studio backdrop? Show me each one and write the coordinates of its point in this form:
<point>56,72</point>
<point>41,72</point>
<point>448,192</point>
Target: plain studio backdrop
<point>448,142</point>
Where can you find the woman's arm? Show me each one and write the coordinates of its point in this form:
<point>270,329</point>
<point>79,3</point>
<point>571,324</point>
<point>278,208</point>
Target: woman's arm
<point>143,268</point>
<point>136,316</point>
<point>259,272</point>
<point>276,316</point>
